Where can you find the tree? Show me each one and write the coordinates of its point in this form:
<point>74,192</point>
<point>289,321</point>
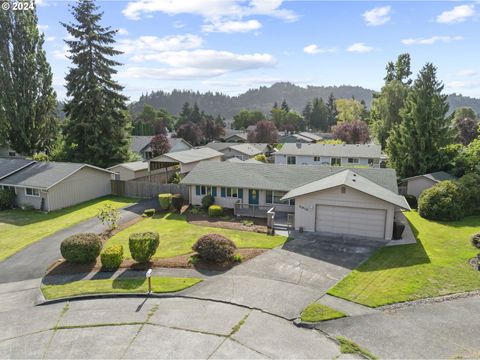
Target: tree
<point>353,132</point>
<point>348,110</point>
<point>285,106</point>
<point>28,121</point>
<point>190,132</point>
<point>413,145</point>
<point>160,145</point>
<point>318,119</point>
<point>152,122</point>
<point>195,115</point>
<point>468,160</point>
<point>400,70</point>
<point>466,129</point>
<point>210,128</point>
<point>265,132</point>
<point>289,121</point>
<point>464,112</point>
<point>332,110</point>
<point>245,118</point>
<point>97,121</point>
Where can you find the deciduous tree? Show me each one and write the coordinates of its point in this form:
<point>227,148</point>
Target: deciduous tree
<point>265,132</point>
<point>191,133</point>
<point>160,145</point>
<point>353,132</point>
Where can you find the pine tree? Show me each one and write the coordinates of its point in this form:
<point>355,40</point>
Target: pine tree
<point>195,115</point>
<point>97,121</point>
<point>285,106</point>
<point>28,120</point>
<point>414,144</point>
<point>319,115</point>
<point>307,113</point>
<point>332,110</point>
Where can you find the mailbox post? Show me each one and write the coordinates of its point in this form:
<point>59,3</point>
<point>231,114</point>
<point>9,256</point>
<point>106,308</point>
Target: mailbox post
<point>148,275</point>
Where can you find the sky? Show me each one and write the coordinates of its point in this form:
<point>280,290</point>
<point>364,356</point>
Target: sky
<point>231,46</point>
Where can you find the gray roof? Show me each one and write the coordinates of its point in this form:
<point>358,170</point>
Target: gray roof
<point>174,141</point>
<point>310,135</point>
<point>140,142</point>
<point>134,166</point>
<point>189,156</point>
<point>296,137</point>
<point>242,135</point>
<point>247,149</point>
<point>44,175</point>
<point>337,150</point>
<point>9,166</point>
<point>219,146</point>
<point>353,180</point>
<point>277,177</point>
<point>435,176</point>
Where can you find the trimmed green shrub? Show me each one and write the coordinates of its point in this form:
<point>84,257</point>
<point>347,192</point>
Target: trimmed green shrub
<point>149,212</point>
<point>112,257</point>
<point>215,211</point>
<point>143,245</point>
<point>215,248</point>
<point>207,201</point>
<point>165,201</point>
<point>237,258</point>
<point>7,199</point>
<point>443,201</point>
<point>177,202</point>
<point>81,248</point>
<point>412,201</point>
<point>476,240</point>
<point>470,186</point>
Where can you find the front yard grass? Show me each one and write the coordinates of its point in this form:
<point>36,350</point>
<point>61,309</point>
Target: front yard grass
<point>437,265</point>
<point>20,228</point>
<point>177,236</point>
<point>316,312</point>
<point>117,286</point>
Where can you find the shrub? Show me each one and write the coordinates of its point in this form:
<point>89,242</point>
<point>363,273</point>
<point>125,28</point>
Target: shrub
<point>149,212</point>
<point>143,245</point>
<point>215,211</point>
<point>7,199</point>
<point>109,216</point>
<point>237,258</point>
<point>81,248</point>
<point>165,201</point>
<point>412,201</point>
<point>112,257</point>
<point>207,200</point>
<point>214,248</point>
<point>177,202</point>
<point>476,240</point>
<point>470,186</point>
<point>443,201</point>
<point>195,210</point>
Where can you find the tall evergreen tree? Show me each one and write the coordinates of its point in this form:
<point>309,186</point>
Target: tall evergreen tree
<point>307,113</point>
<point>332,110</point>
<point>414,144</point>
<point>28,120</point>
<point>319,115</point>
<point>98,124</point>
<point>285,106</point>
<point>400,70</point>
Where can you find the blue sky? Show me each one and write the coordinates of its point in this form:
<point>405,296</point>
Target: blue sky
<point>231,46</point>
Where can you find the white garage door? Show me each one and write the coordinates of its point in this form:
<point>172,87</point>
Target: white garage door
<point>351,221</point>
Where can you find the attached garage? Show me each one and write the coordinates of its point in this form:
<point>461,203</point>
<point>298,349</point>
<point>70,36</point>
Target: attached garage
<point>351,221</point>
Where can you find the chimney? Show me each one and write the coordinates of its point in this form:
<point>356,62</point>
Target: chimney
<point>299,145</point>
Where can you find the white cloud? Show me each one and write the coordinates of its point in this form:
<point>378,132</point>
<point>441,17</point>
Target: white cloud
<point>467,72</point>
<point>377,16</point>
<point>464,84</point>
<point>122,31</point>
<point>243,81</point>
<point>232,26</point>
<point>42,28</point>
<point>178,24</point>
<point>431,40</point>
<point>458,14</point>
<point>153,44</point>
<point>50,38</point>
<point>360,48</point>
<point>62,54</point>
<point>314,49</point>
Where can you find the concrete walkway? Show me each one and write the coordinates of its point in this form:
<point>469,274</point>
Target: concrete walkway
<point>32,262</point>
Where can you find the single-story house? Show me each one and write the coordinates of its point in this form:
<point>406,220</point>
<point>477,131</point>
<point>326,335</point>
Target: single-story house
<point>50,186</point>
<point>248,161</point>
<point>141,145</point>
<point>242,151</point>
<point>186,160</point>
<point>416,184</point>
<point>302,137</point>
<point>9,166</point>
<point>6,151</point>
<point>130,170</point>
<point>352,201</point>
<point>329,154</point>
<point>236,137</point>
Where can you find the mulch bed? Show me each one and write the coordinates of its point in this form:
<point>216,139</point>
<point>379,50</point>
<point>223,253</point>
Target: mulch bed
<point>234,223</point>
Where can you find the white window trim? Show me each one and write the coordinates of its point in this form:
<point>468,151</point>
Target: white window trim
<point>206,190</point>
<point>33,195</point>
<point>288,203</point>
<point>231,197</point>
<point>354,160</point>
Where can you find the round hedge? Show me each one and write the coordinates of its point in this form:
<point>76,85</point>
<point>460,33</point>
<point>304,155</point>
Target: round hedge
<point>215,211</point>
<point>207,201</point>
<point>112,257</point>
<point>443,201</point>
<point>476,240</point>
<point>215,248</point>
<point>81,248</point>
<point>165,201</point>
<point>143,245</point>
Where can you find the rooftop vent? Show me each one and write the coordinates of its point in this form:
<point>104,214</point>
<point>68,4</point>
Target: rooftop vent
<point>299,145</point>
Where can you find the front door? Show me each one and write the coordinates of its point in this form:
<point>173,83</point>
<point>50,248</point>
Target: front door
<point>253,197</point>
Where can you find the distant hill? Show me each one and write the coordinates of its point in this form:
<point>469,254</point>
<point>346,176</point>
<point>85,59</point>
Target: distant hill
<point>263,98</point>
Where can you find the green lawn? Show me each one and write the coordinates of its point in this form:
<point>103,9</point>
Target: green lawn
<point>437,265</point>
<point>177,236</point>
<point>117,286</point>
<point>316,312</point>
<point>20,228</point>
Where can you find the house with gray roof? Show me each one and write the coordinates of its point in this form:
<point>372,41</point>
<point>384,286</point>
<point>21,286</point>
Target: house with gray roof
<point>323,199</point>
<point>242,151</point>
<point>301,137</point>
<point>9,166</point>
<point>130,170</point>
<point>415,185</point>
<point>185,160</point>
<point>329,154</point>
<point>50,186</point>
<point>141,145</point>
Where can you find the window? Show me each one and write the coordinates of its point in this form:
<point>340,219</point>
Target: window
<point>148,155</point>
<point>291,160</point>
<point>370,162</point>
<point>273,197</point>
<point>12,153</point>
<point>232,192</point>
<point>353,160</point>
<point>204,190</point>
<point>336,161</point>
<point>32,192</point>
<point>316,158</point>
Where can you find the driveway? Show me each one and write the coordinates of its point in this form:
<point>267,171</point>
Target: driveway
<point>285,280</point>
<point>31,262</point>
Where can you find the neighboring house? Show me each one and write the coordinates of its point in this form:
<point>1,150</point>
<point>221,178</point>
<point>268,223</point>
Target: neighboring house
<point>141,145</point>
<point>50,186</point>
<point>11,166</point>
<point>329,154</point>
<point>242,151</point>
<point>249,161</point>
<point>130,170</point>
<point>8,152</point>
<point>302,137</point>
<point>359,201</point>
<point>416,184</point>
<point>237,137</point>
<point>187,160</point>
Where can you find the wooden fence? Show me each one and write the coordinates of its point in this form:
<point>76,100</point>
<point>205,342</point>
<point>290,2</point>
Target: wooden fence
<point>144,189</point>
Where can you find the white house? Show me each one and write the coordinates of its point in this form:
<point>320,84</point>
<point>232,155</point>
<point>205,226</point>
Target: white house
<point>329,154</point>
<point>415,185</point>
<point>324,199</point>
<point>186,160</point>
<point>130,171</point>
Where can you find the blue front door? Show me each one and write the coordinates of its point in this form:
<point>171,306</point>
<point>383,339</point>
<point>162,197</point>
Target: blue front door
<point>253,196</point>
